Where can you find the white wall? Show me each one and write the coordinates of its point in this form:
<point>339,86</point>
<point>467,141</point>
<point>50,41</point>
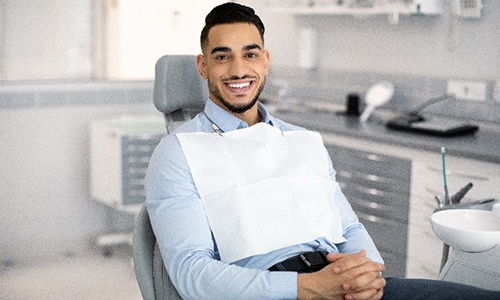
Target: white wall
<point>45,39</point>
<point>427,45</point>
<point>49,38</point>
<point>150,29</point>
<point>54,39</point>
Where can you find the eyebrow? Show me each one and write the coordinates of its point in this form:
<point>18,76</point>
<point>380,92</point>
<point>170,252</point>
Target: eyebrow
<point>228,49</point>
<point>220,49</point>
<point>251,47</point>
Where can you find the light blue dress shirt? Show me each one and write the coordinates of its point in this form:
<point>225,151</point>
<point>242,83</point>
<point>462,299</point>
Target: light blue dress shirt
<point>186,242</point>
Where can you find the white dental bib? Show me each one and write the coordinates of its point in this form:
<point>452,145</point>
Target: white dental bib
<point>263,189</point>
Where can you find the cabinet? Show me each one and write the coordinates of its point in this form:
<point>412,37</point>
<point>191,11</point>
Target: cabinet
<point>120,149</point>
<point>378,188</point>
<point>409,245</point>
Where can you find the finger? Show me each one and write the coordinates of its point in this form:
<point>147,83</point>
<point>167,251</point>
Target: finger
<point>332,257</point>
<point>351,261</point>
<point>359,264</point>
<point>370,295</point>
<point>378,295</point>
<point>373,291</point>
<point>369,280</point>
<point>365,294</point>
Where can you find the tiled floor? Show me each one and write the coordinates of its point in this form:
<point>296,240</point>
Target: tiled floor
<point>91,276</point>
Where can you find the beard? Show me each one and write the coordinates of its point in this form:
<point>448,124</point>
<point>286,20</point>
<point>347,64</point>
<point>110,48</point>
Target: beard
<point>232,107</point>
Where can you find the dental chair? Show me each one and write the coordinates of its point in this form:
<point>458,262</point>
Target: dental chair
<point>179,93</point>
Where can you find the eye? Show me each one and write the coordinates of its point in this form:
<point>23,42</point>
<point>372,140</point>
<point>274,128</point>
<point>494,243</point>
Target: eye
<point>222,57</point>
<point>252,55</point>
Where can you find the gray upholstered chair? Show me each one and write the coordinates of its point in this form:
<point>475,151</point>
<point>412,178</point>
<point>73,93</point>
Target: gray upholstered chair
<point>179,93</point>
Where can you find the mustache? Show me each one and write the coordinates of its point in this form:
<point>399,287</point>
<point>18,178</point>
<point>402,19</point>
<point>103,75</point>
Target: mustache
<point>232,78</point>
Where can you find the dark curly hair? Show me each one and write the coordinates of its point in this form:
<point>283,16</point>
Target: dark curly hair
<point>229,13</point>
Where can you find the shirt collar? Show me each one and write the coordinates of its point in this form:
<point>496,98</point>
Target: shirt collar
<point>227,121</point>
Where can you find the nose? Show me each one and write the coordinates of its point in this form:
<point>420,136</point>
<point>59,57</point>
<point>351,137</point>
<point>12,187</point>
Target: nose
<point>238,68</point>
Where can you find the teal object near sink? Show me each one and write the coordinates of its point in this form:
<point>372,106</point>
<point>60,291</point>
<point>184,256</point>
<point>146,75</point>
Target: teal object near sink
<point>467,230</point>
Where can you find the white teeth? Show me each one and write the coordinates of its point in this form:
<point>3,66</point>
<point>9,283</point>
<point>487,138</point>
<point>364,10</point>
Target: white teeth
<point>239,85</point>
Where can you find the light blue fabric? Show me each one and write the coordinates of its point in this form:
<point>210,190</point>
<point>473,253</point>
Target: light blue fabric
<point>183,232</point>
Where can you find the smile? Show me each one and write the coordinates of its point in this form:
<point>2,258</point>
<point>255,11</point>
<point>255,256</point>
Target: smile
<point>238,85</point>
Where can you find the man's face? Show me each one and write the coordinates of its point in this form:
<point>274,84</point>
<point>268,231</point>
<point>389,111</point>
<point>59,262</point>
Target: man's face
<point>236,65</point>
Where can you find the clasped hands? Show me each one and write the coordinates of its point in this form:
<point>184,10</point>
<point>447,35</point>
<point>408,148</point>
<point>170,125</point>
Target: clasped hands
<point>348,276</point>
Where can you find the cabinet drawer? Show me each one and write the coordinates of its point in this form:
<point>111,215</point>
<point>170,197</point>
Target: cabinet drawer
<point>372,181</point>
<point>389,235</point>
<point>377,202</point>
<point>370,163</point>
<point>136,151</point>
<point>378,188</point>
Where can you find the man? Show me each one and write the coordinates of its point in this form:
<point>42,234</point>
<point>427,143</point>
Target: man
<point>244,205</point>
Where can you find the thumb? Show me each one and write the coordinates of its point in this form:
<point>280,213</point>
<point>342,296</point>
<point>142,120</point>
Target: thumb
<point>332,257</point>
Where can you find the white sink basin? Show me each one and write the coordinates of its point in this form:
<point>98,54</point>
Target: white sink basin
<point>467,229</point>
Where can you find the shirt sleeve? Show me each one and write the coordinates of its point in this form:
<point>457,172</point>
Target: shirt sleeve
<point>185,240</point>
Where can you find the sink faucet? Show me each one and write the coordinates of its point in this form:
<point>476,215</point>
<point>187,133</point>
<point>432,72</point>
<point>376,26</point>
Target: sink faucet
<point>455,199</point>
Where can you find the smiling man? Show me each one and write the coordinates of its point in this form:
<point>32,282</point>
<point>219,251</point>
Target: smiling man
<point>246,206</point>
<point>235,64</point>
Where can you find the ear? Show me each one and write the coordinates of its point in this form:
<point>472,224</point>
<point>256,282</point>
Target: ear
<point>267,57</point>
<point>201,65</point>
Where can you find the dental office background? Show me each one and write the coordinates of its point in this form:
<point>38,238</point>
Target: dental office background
<point>64,63</point>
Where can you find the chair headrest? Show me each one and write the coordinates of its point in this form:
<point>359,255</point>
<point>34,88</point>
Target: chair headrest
<point>178,85</point>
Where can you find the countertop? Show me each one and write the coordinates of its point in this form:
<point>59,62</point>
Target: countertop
<point>326,117</point>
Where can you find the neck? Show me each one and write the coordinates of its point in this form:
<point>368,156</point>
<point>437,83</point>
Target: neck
<point>251,116</point>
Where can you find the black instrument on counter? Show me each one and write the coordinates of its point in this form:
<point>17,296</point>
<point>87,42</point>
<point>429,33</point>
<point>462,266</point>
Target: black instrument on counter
<point>413,121</point>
